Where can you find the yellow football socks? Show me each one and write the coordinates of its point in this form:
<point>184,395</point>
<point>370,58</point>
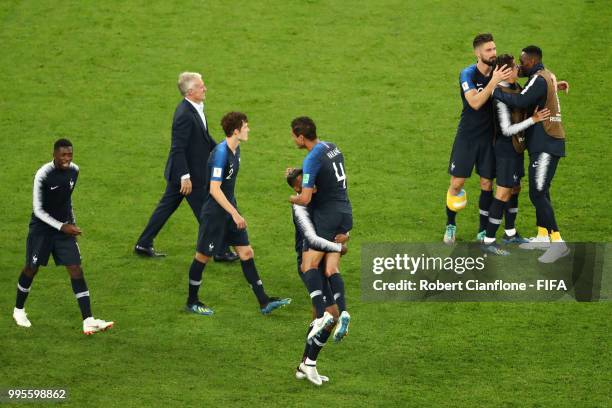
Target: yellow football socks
<point>542,232</point>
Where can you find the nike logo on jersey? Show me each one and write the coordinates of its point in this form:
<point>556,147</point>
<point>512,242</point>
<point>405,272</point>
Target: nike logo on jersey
<point>479,84</point>
<point>211,246</point>
<point>535,164</point>
<point>53,188</point>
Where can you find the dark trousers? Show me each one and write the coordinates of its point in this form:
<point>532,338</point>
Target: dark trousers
<point>168,204</point>
<point>542,168</point>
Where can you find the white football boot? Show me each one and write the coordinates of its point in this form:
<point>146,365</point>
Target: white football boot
<point>536,243</point>
<point>319,324</point>
<point>310,371</point>
<point>557,249</point>
<point>21,318</point>
<point>300,375</point>
<point>91,325</point>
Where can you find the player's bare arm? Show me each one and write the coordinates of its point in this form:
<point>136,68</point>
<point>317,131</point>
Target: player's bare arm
<point>477,99</point>
<point>219,196</point>
<point>303,198</point>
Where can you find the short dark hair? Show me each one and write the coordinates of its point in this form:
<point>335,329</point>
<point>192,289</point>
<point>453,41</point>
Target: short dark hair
<point>292,176</point>
<point>533,51</point>
<point>61,143</point>
<point>233,121</point>
<point>304,126</point>
<point>505,59</point>
<point>481,39</point>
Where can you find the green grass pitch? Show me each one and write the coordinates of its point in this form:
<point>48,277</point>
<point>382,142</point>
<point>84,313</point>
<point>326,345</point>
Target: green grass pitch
<point>380,78</point>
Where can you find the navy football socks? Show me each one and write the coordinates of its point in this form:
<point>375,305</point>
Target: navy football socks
<point>196,270</point>
<point>484,203</point>
<point>23,289</point>
<point>79,287</point>
<point>337,286</point>
<point>252,277</point>
<point>314,284</point>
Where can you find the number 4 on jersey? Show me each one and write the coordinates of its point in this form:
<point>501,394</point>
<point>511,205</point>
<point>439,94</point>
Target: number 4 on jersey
<point>340,176</point>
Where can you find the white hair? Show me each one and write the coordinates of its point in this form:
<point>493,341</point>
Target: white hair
<point>186,80</point>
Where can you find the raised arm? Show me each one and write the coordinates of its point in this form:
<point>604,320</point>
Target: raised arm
<point>310,169</point>
<point>533,92</point>
<point>477,99</point>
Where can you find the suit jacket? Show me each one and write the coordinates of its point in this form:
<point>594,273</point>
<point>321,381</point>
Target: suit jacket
<point>190,148</point>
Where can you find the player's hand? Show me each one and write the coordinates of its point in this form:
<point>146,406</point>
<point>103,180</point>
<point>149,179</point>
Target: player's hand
<point>240,222</point>
<point>343,250</point>
<point>186,187</point>
<point>71,230</point>
<point>563,86</point>
<point>540,115</point>
<point>501,74</point>
<point>341,238</point>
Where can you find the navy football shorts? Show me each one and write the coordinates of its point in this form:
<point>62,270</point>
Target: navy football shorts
<point>63,247</point>
<point>330,223</point>
<point>217,229</point>
<point>468,154</point>
<point>509,171</point>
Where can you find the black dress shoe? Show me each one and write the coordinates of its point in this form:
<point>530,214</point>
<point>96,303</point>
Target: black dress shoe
<point>147,251</point>
<point>229,256</point>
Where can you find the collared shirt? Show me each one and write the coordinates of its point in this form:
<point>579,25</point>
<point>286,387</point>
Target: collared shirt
<point>200,108</point>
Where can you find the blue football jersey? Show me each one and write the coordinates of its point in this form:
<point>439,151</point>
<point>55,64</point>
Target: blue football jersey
<point>475,124</point>
<point>223,166</point>
<point>324,168</point>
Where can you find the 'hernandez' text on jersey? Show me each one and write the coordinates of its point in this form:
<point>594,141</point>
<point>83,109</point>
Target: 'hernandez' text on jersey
<point>323,167</point>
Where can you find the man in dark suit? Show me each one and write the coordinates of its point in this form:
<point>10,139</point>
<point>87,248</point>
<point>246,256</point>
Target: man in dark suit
<point>186,168</point>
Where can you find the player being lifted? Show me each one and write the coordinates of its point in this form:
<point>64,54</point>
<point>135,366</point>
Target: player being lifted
<point>323,167</point>
<point>53,230</point>
<point>221,222</point>
<point>306,237</point>
<point>473,144</point>
<point>509,163</point>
